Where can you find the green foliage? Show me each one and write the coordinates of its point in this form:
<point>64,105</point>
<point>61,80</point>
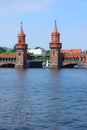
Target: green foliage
<point>48,52</point>
<point>13,50</point>
<point>37,47</point>
<point>31,54</point>
<point>2,50</point>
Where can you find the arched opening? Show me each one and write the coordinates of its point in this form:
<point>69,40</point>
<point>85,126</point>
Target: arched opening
<point>69,65</point>
<point>77,59</point>
<point>3,59</point>
<point>66,59</point>
<point>8,65</point>
<point>84,59</point>
<point>14,59</point>
<point>0,59</point>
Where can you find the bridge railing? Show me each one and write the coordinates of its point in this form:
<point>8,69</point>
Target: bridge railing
<point>38,57</point>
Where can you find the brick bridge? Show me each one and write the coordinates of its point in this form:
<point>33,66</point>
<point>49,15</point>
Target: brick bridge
<point>74,57</point>
<point>69,59</point>
<point>7,60</point>
<point>57,59</point>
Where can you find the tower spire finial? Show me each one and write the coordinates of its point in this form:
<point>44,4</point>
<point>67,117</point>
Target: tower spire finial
<point>21,30</point>
<point>21,23</point>
<point>55,23</point>
<point>55,28</point>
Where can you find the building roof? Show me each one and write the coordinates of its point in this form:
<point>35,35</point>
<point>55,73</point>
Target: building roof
<point>71,51</point>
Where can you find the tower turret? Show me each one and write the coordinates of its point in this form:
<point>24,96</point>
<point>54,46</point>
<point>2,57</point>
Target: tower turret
<point>55,46</point>
<point>55,39</point>
<point>21,48</point>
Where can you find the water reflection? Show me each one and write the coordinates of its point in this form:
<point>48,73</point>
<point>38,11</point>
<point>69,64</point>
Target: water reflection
<point>35,99</point>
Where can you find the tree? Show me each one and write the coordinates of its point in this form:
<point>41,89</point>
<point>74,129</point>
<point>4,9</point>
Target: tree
<point>48,52</point>
<point>37,47</point>
<point>6,50</point>
<point>13,50</point>
<point>2,50</point>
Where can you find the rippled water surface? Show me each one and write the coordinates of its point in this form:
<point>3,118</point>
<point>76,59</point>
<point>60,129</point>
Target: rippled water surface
<point>43,99</point>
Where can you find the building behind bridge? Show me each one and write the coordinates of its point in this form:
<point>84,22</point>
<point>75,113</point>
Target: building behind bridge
<point>37,51</point>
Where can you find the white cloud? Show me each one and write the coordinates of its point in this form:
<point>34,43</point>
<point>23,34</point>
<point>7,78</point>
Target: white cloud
<point>20,6</point>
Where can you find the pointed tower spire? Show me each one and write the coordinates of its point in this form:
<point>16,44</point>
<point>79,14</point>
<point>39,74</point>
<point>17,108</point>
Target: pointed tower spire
<point>21,30</point>
<point>55,35</point>
<point>21,35</point>
<point>55,28</point>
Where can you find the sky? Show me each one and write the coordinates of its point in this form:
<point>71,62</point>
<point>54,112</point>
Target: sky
<point>38,18</point>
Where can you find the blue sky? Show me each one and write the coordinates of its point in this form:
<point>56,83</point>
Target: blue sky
<point>38,18</point>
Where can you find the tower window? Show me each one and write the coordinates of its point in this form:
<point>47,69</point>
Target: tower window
<point>19,54</point>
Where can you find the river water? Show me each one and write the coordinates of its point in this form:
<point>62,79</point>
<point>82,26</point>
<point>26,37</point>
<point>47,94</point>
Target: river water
<point>43,99</point>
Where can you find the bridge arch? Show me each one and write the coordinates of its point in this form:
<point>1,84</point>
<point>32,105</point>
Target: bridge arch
<point>7,60</point>
<point>7,65</point>
<point>69,65</point>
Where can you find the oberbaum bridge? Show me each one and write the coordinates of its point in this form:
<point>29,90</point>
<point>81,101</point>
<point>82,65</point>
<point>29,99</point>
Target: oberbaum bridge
<point>57,59</point>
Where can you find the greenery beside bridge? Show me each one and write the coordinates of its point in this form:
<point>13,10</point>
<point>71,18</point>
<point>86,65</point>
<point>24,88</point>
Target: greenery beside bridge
<point>4,50</point>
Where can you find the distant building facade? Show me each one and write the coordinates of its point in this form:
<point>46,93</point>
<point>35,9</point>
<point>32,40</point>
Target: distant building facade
<point>37,51</point>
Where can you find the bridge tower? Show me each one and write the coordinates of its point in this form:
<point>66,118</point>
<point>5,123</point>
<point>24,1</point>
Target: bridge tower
<point>21,47</point>
<point>55,46</point>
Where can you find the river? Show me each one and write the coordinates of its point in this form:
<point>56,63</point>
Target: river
<point>43,99</point>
